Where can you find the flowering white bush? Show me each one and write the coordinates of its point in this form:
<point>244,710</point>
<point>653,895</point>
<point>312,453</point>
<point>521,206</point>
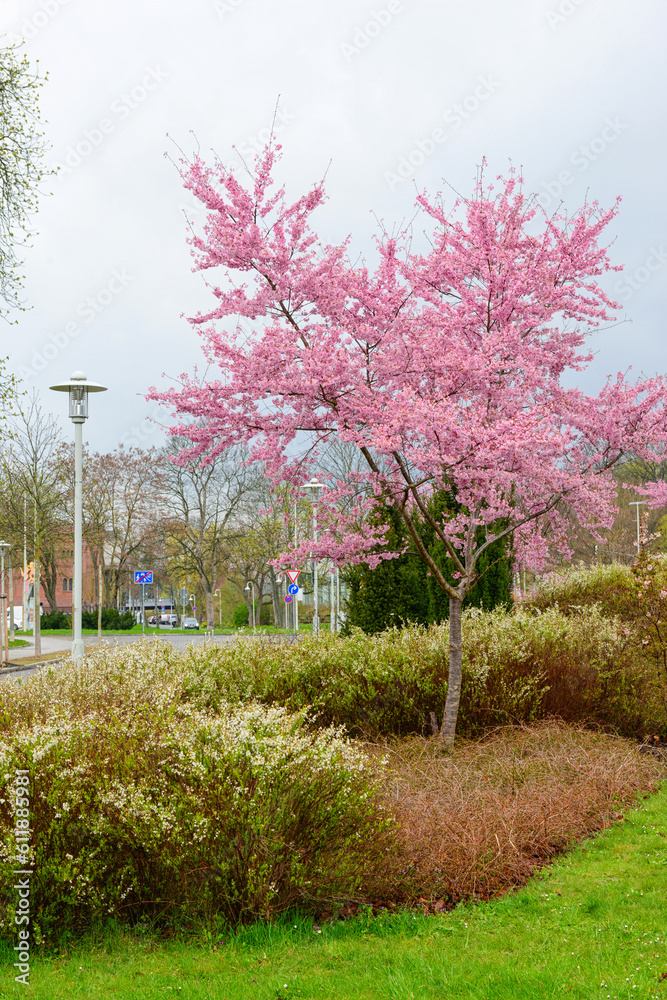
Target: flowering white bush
<point>159,807</point>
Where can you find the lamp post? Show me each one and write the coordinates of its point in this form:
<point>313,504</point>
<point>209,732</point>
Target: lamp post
<point>314,485</point>
<point>251,586</point>
<point>216,593</point>
<point>333,625</point>
<point>637,503</point>
<point>4,639</point>
<point>78,388</point>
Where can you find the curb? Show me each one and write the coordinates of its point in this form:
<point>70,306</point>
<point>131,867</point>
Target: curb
<point>15,668</point>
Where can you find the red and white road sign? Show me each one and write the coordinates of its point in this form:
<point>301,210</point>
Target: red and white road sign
<point>293,574</point>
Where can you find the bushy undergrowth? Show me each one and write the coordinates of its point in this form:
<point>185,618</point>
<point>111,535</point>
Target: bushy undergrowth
<point>516,668</point>
<point>143,805</point>
<point>162,787</point>
<point>609,586</point>
<point>591,669</point>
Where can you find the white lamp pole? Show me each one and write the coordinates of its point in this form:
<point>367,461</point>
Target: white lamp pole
<point>314,485</point>
<point>217,594</point>
<point>78,388</point>
<point>637,504</point>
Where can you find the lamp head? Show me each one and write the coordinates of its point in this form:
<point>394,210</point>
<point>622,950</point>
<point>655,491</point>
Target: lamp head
<point>314,485</point>
<point>78,388</point>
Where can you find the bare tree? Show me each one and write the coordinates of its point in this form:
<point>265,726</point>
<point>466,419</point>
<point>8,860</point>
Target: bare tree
<point>21,151</point>
<point>203,505</point>
<point>121,498</point>
<point>34,494</point>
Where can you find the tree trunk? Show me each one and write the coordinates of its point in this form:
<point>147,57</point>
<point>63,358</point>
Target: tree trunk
<point>278,605</point>
<point>448,731</point>
<point>210,610</point>
<point>49,576</point>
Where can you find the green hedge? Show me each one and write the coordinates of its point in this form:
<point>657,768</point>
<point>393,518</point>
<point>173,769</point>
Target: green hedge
<point>516,667</point>
<point>112,619</point>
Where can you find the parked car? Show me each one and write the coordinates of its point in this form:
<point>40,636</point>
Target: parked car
<point>169,620</point>
<point>18,617</point>
<point>190,623</point>
<point>151,620</point>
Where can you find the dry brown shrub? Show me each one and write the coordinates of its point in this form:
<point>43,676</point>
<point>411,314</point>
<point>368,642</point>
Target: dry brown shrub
<point>482,818</point>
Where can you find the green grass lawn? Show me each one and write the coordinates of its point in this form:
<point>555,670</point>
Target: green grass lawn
<point>592,925</point>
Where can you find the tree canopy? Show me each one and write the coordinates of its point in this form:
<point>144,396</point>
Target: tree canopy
<point>442,364</point>
<point>21,165</point>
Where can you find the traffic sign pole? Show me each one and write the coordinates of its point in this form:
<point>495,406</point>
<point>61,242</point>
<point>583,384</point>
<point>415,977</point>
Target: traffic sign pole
<point>293,575</point>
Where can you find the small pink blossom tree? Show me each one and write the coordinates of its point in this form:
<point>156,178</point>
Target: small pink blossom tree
<point>442,367</point>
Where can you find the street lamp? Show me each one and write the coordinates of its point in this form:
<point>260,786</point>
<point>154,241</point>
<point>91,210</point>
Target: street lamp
<point>78,388</point>
<point>216,593</point>
<point>251,586</point>
<point>314,485</point>
<point>4,637</point>
<point>637,504</point>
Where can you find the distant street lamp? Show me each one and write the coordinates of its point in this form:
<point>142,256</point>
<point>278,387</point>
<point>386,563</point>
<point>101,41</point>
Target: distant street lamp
<point>4,636</point>
<point>251,586</point>
<point>78,388</point>
<point>637,503</point>
<point>314,485</point>
<point>216,593</point>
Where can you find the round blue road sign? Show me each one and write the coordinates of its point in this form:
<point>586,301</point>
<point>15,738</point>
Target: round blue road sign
<point>288,598</point>
<point>293,589</point>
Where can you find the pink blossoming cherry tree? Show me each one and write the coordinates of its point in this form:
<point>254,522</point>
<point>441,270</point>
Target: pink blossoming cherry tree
<point>443,366</point>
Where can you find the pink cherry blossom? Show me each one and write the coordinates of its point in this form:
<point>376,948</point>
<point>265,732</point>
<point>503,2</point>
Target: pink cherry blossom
<point>442,363</point>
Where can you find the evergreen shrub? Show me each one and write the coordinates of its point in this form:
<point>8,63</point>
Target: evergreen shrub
<point>241,615</point>
<point>112,619</point>
<point>55,620</point>
<point>401,590</point>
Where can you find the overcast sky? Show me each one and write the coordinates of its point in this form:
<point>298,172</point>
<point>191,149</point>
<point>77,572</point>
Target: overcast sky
<point>385,95</point>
